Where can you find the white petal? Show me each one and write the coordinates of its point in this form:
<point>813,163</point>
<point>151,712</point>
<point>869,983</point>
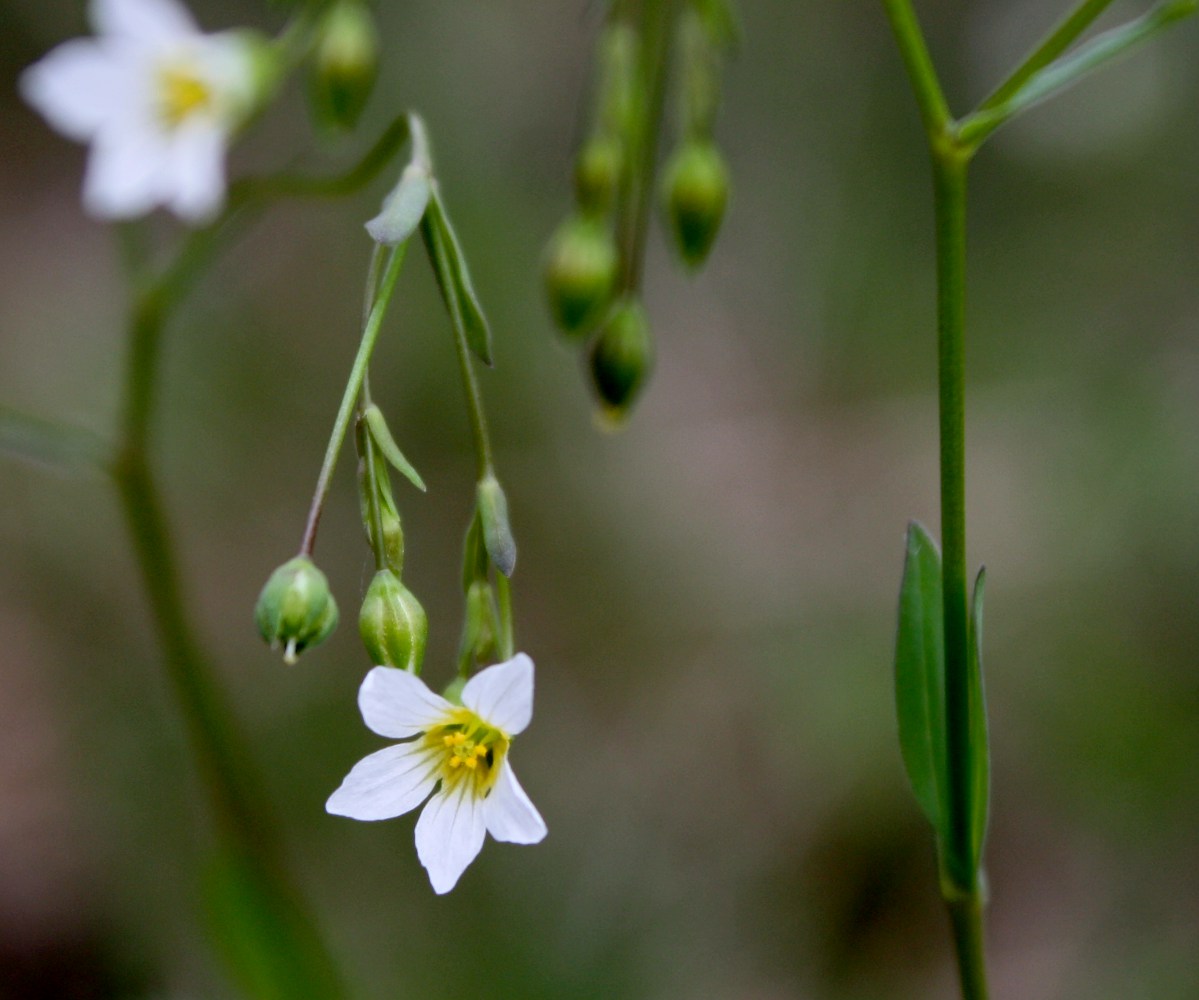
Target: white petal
<point>396,703</point>
<point>385,784</point>
<point>124,173</point>
<point>78,87</point>
<point>503,694</point>
<point>149,21</point>
<point>510,816</point>
<point>197,171</point>
<point>449,835</point>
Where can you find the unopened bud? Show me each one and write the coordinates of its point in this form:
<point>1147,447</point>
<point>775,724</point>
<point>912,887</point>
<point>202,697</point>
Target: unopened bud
<point>345,64</point>
<point>621,359</point>
<point>580,270</point>
<point>296,609</point>
<point>480,629</point>
<point>392,624</point>
<point>696,191</point>
<point>497,532</point>
<point>597,174</point>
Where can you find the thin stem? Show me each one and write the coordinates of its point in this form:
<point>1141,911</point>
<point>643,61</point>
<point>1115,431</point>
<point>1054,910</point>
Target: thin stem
<point>923,75</point>
<point>963,897</point>
<point>507,637</point>
<point>637,191</point>
<point>236,800</point>
<point>466,369</point>
<point>1069,70</point>
<point>345,411</point>
<point>222,757</point>
<point>966,918</point>
<point>371,467</point>
<point>1052,46</point>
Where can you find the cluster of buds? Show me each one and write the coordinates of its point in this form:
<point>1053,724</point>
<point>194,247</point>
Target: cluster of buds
<point>593,261</point>
<point>296,610</point>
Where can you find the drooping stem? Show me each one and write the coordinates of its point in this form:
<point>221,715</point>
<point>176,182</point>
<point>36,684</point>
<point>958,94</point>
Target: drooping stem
<point>349,399</point>
<point>299,963</point>
<point>484,466</point>
<point>636,197</point>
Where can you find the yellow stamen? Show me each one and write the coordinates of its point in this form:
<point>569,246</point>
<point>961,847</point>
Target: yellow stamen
<point>455,761</point>
<point>480,751</point>
<point>471,762</point>
<point>181,93</point>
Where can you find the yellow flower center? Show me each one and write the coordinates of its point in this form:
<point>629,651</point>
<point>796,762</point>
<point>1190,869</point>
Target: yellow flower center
<point>181,94</point>
<point>465,748</point>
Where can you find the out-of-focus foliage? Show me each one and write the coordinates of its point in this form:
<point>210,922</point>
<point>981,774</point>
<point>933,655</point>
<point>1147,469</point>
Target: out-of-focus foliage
<point>709,596</point>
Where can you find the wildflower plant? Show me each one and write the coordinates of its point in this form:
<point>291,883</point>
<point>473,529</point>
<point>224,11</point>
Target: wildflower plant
<point>161,102</point>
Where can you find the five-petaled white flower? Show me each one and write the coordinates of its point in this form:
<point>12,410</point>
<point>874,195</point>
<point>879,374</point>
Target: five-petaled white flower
<point>157,99</point>
<point>464,747</point>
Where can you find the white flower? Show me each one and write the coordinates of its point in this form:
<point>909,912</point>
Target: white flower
<point>464,747</point>
<point>157,99</point>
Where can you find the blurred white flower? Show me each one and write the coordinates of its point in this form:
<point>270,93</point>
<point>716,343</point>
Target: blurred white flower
<point>157,99</point>
<point>464,747</point>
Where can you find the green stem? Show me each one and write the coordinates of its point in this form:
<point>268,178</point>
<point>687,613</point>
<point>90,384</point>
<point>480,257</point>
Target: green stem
<point>657,19</point>
<point>484,464</point>
<point>966,918</point>
<point>1053,45</point>
<point>1067,71</point>
<point>949,176</point>
<point>345,412</point>
<point>507,637</point>
<point>234,795</point>
<point>963,895</point>
<point>919,64</point>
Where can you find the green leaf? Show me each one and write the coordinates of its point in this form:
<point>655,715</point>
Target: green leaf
<point>380,433</point>
<point>453,278</point>
<point>980,752</point>
<point>920,674</point>
<point>266,939</point>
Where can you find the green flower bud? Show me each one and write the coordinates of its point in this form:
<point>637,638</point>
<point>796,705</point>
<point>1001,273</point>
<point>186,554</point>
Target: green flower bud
<point>580,270</point>
<point>480,629</point>
<point>621,359</point>
<point>493,519</point>
<point>597,174</point>
<point>296,609</point>
<point>696,191</point>
<point>392,624</point>
<point>345,64</point>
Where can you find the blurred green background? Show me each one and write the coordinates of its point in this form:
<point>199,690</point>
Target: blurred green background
<point>709,596</point>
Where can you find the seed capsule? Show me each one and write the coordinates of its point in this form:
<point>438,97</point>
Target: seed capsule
<point>345,64</point>
<point>580,270</point>
<point>597,174</point>
<point>392,624</point>
<point>296,610</point>
<point>696,191</point>
<point>621,359</point>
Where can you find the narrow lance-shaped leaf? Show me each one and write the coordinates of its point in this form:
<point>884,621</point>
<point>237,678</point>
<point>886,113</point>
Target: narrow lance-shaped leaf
<point>920,674</point>
<point>980,752</point>
<point>453,278</point>
<point>380,433</point>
